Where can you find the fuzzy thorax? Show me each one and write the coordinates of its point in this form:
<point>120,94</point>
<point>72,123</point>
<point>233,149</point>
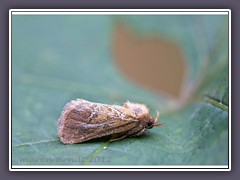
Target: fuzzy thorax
<point>139,109</point>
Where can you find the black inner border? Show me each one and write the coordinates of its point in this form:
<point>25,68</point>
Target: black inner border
<point>133,14</point>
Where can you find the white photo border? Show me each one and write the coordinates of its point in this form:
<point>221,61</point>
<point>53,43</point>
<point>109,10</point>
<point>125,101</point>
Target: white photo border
<point>118,12</point>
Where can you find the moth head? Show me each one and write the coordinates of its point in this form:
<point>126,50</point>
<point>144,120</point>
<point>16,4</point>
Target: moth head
<point>142,113</point>
<point>153,122</point>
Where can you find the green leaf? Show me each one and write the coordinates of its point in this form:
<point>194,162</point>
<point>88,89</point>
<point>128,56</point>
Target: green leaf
<point>56,59</point>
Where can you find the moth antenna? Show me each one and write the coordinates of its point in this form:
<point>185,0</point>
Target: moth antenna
<point>156,119</point>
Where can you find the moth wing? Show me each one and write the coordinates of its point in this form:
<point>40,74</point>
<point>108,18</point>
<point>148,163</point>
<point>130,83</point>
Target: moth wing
<point>102,130</point>
<point>79,121</point>
<point>79,132</point>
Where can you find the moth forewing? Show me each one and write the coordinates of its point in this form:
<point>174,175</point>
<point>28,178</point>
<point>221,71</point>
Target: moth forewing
<point>82,120</point>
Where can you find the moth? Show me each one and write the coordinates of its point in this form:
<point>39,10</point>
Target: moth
<point>82,120</point>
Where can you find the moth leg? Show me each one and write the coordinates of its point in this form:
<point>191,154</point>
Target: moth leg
<point>118,138</point>
<point>139,133</point>
<point>133,132</point>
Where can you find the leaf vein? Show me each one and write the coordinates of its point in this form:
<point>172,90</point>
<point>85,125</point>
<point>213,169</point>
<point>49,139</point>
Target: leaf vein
<point>216,102</point>
<point>32,143</point>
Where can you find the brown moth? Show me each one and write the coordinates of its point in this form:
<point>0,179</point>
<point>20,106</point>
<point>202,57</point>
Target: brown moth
<point>82,120</point>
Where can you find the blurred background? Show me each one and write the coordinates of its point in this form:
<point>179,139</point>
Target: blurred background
<point>165,54</point>
<point>159,60</point>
